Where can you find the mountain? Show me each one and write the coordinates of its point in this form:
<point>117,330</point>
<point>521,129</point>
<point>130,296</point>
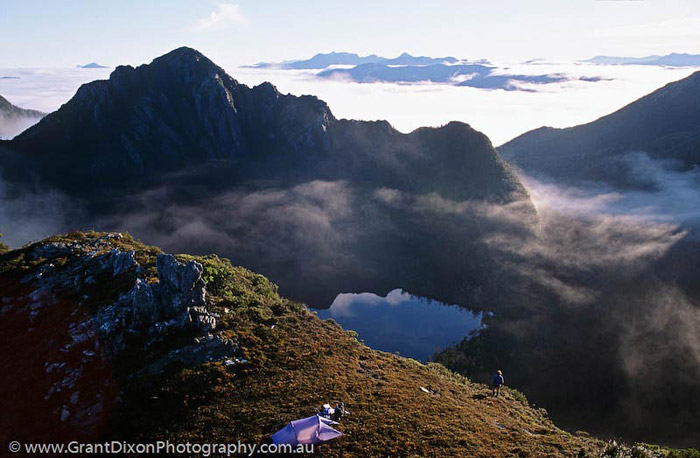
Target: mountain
<point>664,124</point>
<point>438,73</point>
<point>471,75</point>
<point>613,60</point>
<point>182,154</point>
<point>7,110</point>
<point>321,61</point>
<point>407,59</point>
<point>14,120</point>
<point>183,110</point>
<point>669,60</point>
<point>105,338</point>
<point>92,65</point>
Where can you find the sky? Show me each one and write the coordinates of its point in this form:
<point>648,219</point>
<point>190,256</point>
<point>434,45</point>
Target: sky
<point>42,42</point>
<point>36,33</point>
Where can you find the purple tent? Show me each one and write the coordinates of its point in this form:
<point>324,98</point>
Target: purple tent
<point>311,430</point>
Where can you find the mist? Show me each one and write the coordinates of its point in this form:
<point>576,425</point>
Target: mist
<point>603,306</point>
<point>502,115</point>
<point>28,214</point>
<point>10,127</point>
<point>663,191</point>
<point>593,290</point>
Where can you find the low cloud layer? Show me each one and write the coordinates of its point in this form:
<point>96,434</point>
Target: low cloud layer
<point>27,215</point>
<point>11,127</point>
<point>600,322</point>
<point>595,296</point>
<point>502,115</point>
<point>664,193</point>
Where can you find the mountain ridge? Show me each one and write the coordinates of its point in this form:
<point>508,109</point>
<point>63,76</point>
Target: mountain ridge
<point>135,368</point>
<point>664,124</point>
<point>14,119</point>
<point>347,199</point>
<point>203,113</point>
<point>321,61</point>
<point>669,60</point>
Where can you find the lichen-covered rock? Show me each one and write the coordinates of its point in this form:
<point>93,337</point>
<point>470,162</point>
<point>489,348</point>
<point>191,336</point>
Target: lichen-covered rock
<point>120,262</point>
<point>180,284</point>
<point>50,250</point>
<point>179,297</point>
<point>143,303</point>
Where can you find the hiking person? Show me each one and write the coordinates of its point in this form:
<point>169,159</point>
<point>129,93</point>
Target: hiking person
<point>497,382</point>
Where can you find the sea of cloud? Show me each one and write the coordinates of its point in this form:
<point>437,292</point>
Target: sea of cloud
<point>500,114</point>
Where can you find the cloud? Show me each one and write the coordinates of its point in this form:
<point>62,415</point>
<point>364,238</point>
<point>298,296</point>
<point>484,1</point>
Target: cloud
<point>501,115</point>
<point>34,214</point>
<point>664,192</point>
<point>46,89</point>
<point>601,289</point>
<point>578,285</point>
<point>13,126</point>
<point>346,304</point>
<point>671,28</point>
<point>225,13</point>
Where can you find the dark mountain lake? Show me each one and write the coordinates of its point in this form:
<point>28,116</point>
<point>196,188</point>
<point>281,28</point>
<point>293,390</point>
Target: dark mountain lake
<point>413,326</point>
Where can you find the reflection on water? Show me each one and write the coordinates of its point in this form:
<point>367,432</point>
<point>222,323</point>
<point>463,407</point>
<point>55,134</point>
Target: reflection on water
<point>415,327</point>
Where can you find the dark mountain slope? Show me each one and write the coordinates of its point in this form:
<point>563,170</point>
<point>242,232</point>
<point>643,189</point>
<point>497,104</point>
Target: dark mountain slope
<point>180,153</point>
<point>182,111</point>
<point>664,124</point>
<point>105,338</point>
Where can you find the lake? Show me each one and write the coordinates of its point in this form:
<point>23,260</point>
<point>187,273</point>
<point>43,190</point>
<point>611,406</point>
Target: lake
<point>413,326</point>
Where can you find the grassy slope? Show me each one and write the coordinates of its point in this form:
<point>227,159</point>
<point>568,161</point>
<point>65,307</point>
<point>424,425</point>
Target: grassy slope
<point>297,363</point>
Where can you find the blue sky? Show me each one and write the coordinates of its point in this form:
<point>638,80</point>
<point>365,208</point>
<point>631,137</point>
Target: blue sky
<point>70,32</point>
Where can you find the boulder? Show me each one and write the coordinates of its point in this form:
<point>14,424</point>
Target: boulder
<point>180,284</point>
<point>143,303</point>
<point>118,262</point>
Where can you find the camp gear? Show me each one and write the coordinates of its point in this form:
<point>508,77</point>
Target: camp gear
<point>310,430</point>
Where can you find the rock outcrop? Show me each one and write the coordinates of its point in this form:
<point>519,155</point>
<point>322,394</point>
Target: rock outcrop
<point>74,307</point>
<point>177,299</point>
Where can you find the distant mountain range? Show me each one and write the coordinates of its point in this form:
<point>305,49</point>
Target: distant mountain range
<point>14,119</point>
<point>321,61</point>
<point>250,159</point>
<point>473,75</point>
<point>410,69</point>
<point>669,60</point>
<point>664,124</point>
<point>92,65</point>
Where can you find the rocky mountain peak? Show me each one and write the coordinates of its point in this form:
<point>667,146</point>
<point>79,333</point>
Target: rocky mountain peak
<point>187,63</point>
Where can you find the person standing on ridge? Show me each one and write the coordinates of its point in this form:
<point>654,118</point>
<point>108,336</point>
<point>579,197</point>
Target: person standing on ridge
<point>497,382</point>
